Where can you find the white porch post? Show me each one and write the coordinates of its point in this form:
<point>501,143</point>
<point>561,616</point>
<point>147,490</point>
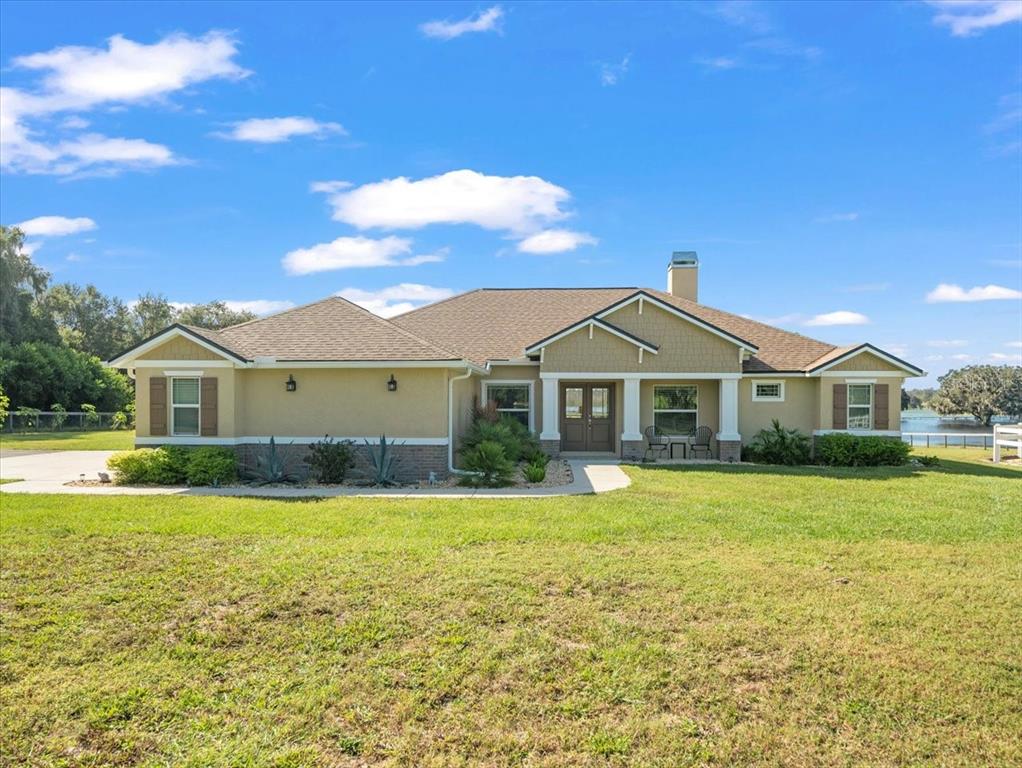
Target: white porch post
<point>728,411</point>
<point>631,426</point>
<point>551,424</point>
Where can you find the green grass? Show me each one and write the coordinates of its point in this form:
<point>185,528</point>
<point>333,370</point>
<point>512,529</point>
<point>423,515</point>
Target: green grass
<point>704,616</point>
<point>101,440</point>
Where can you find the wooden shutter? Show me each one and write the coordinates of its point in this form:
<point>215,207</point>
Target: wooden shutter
<point>158,405</point>
<point>207,417</point>
<point>881,405</point>
<point>840,417</point>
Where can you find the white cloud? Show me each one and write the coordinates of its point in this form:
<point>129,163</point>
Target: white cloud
<point>840,317</point>
<point>259,306</point>
<point>56,226</point>
<point>1014,344</point>
<point>329,187</point>
<point>945,343</point>
<point>555,241</point>
<point>271,130</point>
<point>395,299</point>
<point>717,62</point>
<point>950,292</point>
<point>969,17</point>
<point>517,204</point>
<point>610,74</point>
<point>961,356</point>
<point>77,78</point>
<point>356,252</point>
<point>1001,356</point>
<point>483,21</point>
<point>834,217</point>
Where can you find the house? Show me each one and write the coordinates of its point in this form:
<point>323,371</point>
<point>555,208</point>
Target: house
<point>586,368</point>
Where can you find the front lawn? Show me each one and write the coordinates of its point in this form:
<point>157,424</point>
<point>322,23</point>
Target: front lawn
<point>706,615</point>
<point>100,440</point>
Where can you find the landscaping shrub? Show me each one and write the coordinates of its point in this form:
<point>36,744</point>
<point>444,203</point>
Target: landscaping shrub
<point>535,473</point>
<point>330,460</point>
<point>841,449</point>
<point>778,445</point>
<point>173,465</point>
<point>211,465</point>
<point>515,438</point>
<point>488,459</point>
<point>273,464</point>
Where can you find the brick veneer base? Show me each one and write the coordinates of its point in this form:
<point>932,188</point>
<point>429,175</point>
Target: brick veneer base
<point>729,450</point>
<point>414,462</point>
<point>551,447</point>
<point>633,450</point>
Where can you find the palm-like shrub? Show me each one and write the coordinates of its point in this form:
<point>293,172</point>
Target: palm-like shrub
<point>489,464</point>
<point>779,445</point>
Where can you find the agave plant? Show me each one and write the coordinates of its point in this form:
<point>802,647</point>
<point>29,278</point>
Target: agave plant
<point>273,465</point>
<point>384,461</point>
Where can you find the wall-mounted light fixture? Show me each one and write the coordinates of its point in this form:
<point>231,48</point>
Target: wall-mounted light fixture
<point>292,385</point>
<point>392,384</point>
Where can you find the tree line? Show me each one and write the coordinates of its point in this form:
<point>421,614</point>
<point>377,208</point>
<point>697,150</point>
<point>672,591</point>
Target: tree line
<point>55,337</point>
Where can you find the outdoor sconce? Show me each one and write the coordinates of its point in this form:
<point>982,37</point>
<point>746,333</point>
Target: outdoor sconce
<point>392,384</point>
<point>292,385</point>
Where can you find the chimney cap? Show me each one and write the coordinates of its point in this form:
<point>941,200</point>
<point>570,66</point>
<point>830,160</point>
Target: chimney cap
<point>684,259</point>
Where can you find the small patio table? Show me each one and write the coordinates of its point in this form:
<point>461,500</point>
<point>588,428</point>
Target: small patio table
<point>683,442</point>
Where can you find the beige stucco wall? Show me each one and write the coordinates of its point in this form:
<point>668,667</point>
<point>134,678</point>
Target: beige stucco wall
<point>826,400</point>
<point>345,402</point>
<point>682,346</point>
<point>180,348</point>
<point>800,409</point>
<point>226,398</point>
<point>865,361</point>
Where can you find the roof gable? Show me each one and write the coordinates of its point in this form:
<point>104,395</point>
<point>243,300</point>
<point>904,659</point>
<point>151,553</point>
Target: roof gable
<point>202,337</point>
<point>845,357</point>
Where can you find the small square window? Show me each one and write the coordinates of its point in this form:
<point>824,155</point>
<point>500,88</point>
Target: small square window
<point>768,391</point>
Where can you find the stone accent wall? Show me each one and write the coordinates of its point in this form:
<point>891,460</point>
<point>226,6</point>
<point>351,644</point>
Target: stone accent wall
<point>633,450</point>
<point>414,462</point>
<point>729,450</point>
<point>551,447</point>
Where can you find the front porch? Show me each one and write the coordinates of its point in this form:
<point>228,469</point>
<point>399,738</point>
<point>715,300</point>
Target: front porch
<point>606,413</point>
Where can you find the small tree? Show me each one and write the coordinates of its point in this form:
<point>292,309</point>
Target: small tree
<point>983,391</point>
<point>5,404</point>
<point>91,417</point>
<point>59,416</point>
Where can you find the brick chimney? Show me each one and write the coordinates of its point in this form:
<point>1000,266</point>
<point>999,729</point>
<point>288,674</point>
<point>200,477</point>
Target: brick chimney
<point>683,275</point>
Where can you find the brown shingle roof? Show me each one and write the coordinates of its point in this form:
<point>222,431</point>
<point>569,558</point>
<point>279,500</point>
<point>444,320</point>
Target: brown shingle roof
<point>331,329</point>
<point>498,324</point>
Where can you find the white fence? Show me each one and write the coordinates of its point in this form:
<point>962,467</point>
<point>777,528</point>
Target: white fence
<point>949,439</point>
<point>1007,436</point>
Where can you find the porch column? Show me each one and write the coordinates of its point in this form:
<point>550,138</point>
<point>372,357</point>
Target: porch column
<point>729,441</point>
<point>550,436</point>
<point>631,437</point>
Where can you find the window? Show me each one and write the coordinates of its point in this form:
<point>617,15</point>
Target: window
<point>860,406</point>
<point>184,406</point>
<point>768,391</point>
<point>512,399</point>
<point>675,409</point>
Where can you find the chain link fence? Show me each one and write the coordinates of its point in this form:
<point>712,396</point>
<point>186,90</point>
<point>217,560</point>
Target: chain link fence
<point>31,420</point>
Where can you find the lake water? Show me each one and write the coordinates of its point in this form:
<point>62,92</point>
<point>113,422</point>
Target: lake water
<point>955,429</point>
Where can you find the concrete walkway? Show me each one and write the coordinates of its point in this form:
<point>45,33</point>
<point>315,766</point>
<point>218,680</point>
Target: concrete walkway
<point>48,473</point>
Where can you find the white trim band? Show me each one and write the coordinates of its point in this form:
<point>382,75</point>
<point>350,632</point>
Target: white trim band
<point>605,375</point>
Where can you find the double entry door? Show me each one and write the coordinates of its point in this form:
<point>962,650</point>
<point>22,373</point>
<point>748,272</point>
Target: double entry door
<point>587,417</point>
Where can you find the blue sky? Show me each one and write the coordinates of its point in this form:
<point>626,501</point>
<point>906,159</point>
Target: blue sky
<point>849,171</point>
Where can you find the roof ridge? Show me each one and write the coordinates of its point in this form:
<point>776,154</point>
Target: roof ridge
<point>438,303</point>
<point>404,331</point>
<point>278,314</point>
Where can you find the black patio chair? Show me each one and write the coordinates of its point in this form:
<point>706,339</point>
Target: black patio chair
<point>701,442</point>
<point>656,442</point>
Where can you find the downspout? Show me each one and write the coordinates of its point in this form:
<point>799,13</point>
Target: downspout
<point>450,423</point>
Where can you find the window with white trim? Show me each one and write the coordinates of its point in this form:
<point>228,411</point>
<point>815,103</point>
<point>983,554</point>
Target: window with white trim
<point>860,406</point>
<point>513,399</point>
<point>768,391</point>
<point>184,406</point>
<point>676,408</point>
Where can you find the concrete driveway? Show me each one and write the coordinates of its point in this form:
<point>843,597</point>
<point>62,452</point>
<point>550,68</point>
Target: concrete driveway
<point>52,467</point>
